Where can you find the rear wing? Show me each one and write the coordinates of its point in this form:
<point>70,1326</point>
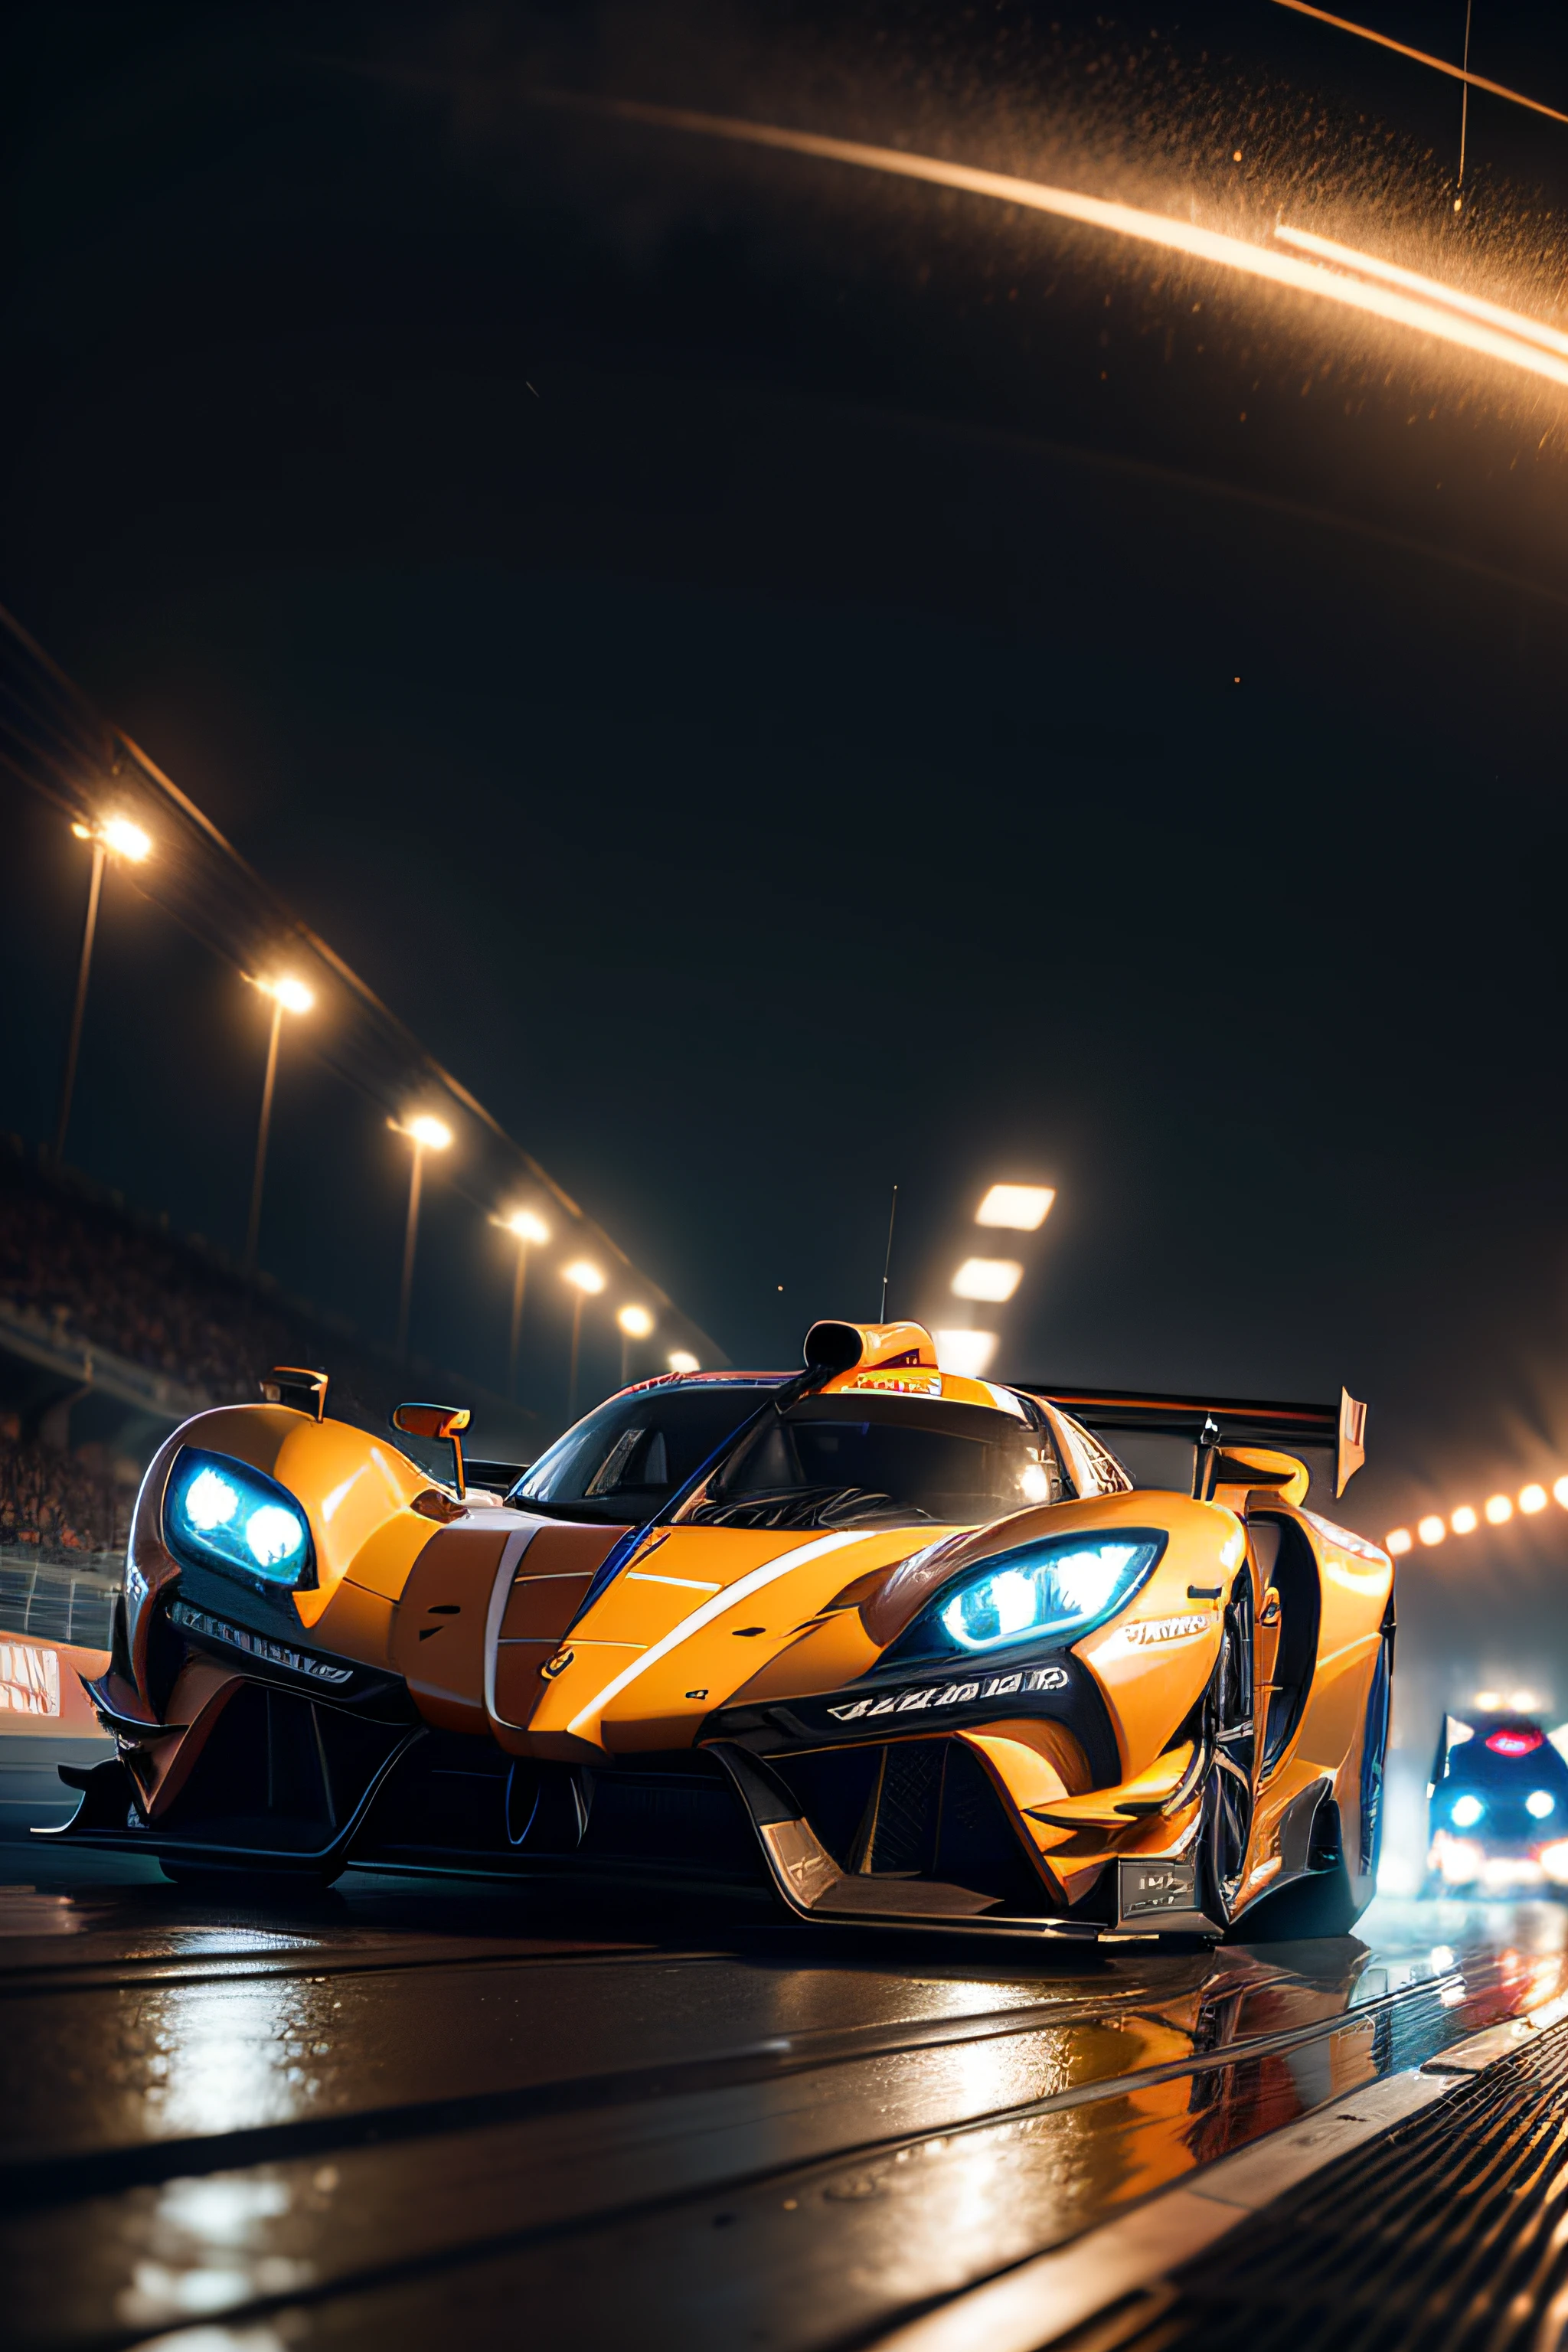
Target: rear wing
<point>1209,1423</point>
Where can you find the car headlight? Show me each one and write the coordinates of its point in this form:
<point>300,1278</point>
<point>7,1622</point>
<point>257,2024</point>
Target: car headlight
<point>1045,1591</point>
<point>1466,1812</point>
<point>1459,1860</point>
<point>219,1513</point>
<point>1540,1803</point>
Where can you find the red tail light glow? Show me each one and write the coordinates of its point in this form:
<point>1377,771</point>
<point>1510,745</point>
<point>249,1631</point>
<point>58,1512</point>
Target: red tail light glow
<point>1516,1743</point>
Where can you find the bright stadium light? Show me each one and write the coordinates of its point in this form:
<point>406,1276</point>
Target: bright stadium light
<point>1531,1499</point>
<point>1431,1530</point>
<point>291,993</point>
<point>527,1227</point>
<point>431,1134</point>
<point>1022,1208</point>
<point>288,995</point>
<point>634,1323</point>
<point>1500,1510</point>
<point>965,1352</point>
<point>583,1276</point>
<point>1398,1540</point>
<point>1464,1521</point>
<point>681,1360</point>
<point>125,839</point>
<point>994,1279</point>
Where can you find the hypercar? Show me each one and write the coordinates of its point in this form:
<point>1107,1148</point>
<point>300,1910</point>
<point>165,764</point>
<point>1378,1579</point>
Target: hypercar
<point>912,1645</point>
<point>1498,1807</point>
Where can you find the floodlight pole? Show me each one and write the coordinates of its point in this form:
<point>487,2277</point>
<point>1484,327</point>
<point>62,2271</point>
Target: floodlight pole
<point>253,1226</point>
<point>411,1235</point>
<point>78,1010</point>
<point>572,1375</point>
<point>517,1281</point>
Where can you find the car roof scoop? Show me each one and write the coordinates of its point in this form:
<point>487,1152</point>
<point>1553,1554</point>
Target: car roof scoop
<point>865,1347</point>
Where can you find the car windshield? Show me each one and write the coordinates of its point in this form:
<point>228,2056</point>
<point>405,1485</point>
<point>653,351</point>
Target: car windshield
<point>891,1461</point>
<point>624,1460</point>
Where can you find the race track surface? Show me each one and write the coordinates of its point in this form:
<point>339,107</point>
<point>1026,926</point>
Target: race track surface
<point>416,2111</point>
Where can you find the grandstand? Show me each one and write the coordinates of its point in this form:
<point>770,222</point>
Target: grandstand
<point>111,1330</point>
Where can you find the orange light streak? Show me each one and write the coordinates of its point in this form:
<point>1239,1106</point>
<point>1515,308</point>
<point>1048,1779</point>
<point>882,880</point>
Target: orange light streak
<point>1440,321</point>
<point>1421,57</point>
<point>1513,322</point>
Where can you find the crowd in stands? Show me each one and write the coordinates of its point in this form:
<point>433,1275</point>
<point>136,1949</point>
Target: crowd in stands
<point>61,1502</point>
<point>97,1274</point>
<point>100,1277</point>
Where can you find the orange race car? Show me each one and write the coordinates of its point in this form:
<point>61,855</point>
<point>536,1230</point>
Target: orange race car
<point>914,1644</point>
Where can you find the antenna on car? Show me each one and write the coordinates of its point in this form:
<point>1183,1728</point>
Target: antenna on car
<point>887,1259</point>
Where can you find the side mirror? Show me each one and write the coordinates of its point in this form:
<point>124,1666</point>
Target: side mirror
<point>439,1420</point>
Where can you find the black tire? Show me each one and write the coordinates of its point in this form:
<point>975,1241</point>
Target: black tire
<point>1330,1898</point>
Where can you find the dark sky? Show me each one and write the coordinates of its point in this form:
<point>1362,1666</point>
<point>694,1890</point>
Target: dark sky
<point>743,655</point>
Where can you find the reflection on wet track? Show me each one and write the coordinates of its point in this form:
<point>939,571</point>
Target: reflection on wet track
<point>410,2108</point>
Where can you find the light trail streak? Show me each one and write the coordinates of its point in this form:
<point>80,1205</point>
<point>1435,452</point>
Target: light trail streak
<point>1422,57</point>
<point>1513,322</point>
<point>1440,319</point>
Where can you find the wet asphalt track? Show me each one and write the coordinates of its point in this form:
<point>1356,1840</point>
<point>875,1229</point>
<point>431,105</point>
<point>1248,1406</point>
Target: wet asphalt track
<point>418,2112</point>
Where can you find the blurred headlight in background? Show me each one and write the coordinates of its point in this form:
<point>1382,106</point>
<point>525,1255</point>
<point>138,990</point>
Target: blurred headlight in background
<point>1460,1861</point>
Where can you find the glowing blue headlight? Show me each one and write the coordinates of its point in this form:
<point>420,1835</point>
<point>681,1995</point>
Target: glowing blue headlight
<point>1042,1591</point>
<point>220,1513</point>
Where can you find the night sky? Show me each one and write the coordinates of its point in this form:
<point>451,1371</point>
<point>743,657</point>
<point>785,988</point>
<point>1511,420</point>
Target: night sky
<point>744,657</point>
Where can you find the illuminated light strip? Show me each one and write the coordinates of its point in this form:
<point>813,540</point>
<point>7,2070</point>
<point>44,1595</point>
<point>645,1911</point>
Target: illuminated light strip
<point>1445,324</point>
<point>742,1590</point>
<point>1513,322</point>
<point>1421,57</point>
<point>1497,1511</point>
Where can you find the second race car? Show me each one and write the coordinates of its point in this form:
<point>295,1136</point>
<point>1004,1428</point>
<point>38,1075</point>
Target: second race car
<point>1498,1807</point>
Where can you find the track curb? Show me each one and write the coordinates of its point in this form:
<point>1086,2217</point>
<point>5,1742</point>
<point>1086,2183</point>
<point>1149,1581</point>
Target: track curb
<point>1050,2296</point>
